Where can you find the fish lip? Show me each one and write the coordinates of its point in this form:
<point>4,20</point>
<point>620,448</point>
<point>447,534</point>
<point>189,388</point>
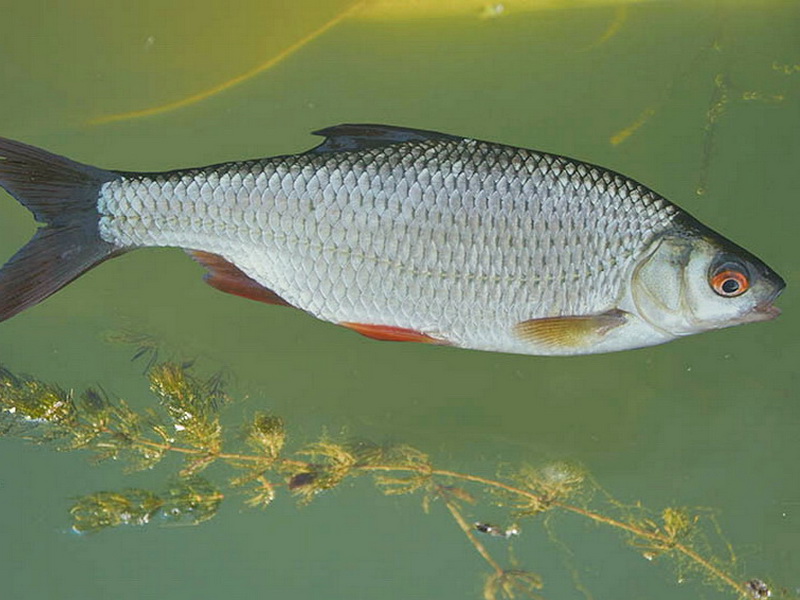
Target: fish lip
<point>766,311</point>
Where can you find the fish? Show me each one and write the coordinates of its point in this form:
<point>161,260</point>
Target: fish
<point>405,235</point>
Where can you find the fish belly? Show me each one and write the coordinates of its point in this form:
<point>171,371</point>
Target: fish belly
<point>458,240</point>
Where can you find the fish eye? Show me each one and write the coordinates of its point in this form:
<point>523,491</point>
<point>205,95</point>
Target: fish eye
<point>729,280</point>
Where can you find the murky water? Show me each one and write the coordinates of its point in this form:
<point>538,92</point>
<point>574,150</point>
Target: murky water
<point>681,96</point>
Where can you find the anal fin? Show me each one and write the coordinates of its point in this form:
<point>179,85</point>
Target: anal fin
<point>571,331</point>
<point>390,333</point>
<point>227,277</point>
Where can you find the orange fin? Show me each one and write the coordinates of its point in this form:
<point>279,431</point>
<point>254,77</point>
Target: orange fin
<point>227,277</point>
<point>390,333</point>
<point>570,331</point>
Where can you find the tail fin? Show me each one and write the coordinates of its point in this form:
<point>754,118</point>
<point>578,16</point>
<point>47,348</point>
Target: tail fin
<point>62,195</point>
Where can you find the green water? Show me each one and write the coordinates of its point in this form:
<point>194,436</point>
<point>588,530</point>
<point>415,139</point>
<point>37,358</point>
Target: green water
<point>708,421</point>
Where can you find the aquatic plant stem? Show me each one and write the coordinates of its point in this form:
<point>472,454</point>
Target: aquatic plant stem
<point>637,531</point>
<point>666,542</point>
<point>225,85</point>
<point>660,540</point>
<point>459,518</point>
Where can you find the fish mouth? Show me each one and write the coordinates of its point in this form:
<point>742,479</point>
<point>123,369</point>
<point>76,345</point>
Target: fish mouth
<point>766,311</point>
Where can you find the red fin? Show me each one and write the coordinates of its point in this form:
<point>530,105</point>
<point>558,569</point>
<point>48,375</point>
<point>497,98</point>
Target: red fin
<point>227,277</point>
<point>392,334</point>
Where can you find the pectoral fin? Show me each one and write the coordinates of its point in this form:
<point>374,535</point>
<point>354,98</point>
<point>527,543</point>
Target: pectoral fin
<point>570,331</point>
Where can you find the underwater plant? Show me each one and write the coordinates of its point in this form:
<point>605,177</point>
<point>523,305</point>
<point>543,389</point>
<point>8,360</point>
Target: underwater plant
<point>187,423</point>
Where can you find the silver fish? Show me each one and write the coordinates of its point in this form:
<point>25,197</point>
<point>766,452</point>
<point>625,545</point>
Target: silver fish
<point>404,234</point>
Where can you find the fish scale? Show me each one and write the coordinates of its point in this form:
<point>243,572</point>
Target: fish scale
<point>470,236</point>
<point>404,234</point>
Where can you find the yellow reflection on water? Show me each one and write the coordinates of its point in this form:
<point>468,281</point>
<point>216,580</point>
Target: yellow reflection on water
<point>426,9</point>
<point>385,10</point>
<point>236,80</point>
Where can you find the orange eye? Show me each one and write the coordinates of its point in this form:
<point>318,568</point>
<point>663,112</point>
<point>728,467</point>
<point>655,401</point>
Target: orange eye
<point>730,283</point>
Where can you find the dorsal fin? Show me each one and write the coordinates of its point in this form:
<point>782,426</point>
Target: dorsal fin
<point>340,138</point>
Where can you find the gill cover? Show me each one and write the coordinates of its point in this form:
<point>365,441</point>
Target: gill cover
<point>659,283</point>
<point>677,287</point>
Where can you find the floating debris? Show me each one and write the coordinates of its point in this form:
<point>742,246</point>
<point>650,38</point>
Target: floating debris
<point>495,531</point>
<point>758,589</point>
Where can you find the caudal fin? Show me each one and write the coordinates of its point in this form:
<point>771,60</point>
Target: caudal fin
<point>62,195</point>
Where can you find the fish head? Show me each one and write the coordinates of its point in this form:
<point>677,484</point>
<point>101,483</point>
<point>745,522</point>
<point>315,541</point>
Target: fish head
<point>695,280</point>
